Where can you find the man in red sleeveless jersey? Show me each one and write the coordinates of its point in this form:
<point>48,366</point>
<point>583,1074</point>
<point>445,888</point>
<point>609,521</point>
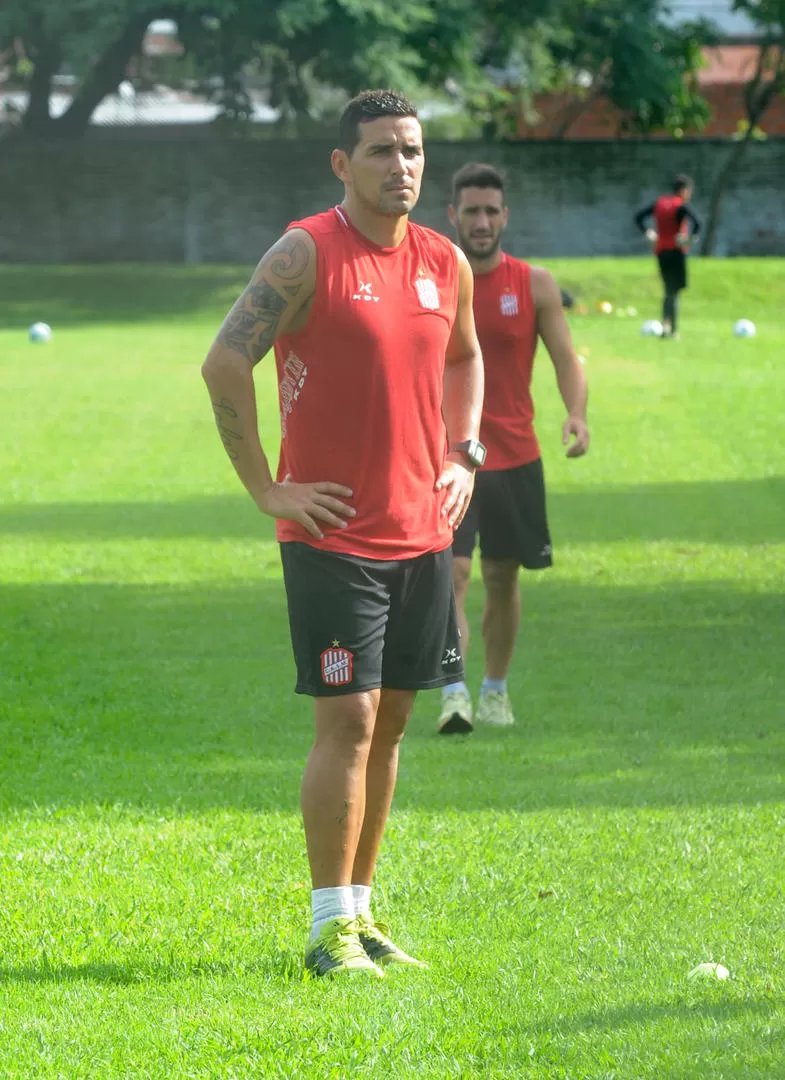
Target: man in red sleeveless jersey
<point>514,305</point>
<point>671,236</point>
<point>380,389</point>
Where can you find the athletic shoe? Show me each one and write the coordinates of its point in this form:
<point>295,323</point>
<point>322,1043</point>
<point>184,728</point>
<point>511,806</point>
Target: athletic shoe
<point>494,708</point>
<point>337,949</point>
<point>456,714</point>
<point>374,938</point>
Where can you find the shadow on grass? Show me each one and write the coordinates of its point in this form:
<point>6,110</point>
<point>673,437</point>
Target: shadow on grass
<point>78,295</point>
<point>269,963</point>
<point>636,1014</point>
<point>181,698</point>
<point>724,512</point>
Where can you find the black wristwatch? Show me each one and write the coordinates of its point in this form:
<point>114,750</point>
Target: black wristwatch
<point>474,451</point>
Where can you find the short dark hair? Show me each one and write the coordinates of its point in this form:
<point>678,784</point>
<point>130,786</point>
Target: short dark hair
<point>369,105</point>
<point>476,174</point>
<point>682,181</point>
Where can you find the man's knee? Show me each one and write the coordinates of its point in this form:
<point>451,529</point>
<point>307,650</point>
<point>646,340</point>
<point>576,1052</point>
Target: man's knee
<point>395,708</point>
<point>500,576</point>
<point>347,719</point>
<point>461,575</point>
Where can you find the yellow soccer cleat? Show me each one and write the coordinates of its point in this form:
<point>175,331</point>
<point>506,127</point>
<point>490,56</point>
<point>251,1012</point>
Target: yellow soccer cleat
<point>374,938</point>
<point>338,949</point>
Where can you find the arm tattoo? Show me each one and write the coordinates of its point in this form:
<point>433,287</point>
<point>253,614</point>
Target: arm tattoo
<point>251,326</point>
<point>291,259</point>
<point>224,412</point>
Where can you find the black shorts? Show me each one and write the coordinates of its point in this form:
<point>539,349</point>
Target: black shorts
<point>673,270</point>
<point>508,511</point>
<point>360,624</point>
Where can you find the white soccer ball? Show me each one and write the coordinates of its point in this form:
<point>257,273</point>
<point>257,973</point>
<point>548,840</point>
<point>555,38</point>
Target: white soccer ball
<point>40,331</point>
<point>711,971</point>
<point>652,328</point>
<point>744,328</point>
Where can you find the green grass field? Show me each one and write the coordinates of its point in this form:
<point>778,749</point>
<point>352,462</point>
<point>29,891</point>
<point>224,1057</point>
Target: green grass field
<point>562,877</point>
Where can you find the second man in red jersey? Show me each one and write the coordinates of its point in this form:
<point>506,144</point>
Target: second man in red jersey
<point>514,305</point>
<point>380,385</point>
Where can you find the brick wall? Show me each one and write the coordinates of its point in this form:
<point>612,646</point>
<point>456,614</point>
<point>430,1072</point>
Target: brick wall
<point>598,119</point>
<point>207,200</point>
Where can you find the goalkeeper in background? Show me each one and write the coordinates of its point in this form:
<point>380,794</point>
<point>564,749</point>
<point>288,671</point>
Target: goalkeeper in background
<point>674,226</point>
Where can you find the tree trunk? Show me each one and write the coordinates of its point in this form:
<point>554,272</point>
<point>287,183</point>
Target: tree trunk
<point>37,120</point>
<point>758,95</point>
<point>718,190</point>
<point>102,79</point>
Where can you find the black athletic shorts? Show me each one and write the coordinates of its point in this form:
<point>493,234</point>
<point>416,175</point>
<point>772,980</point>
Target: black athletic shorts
<point>508,511</point>
<point>360,624</point>
<point>673,270</point>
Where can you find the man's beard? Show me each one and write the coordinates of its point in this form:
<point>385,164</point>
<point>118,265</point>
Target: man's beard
<point>479,253</point>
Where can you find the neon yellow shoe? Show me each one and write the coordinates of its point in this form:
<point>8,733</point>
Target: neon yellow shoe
<point>494,708</point>
<point>337,949</point>
<point>374,938</point>
<point>456,715</point>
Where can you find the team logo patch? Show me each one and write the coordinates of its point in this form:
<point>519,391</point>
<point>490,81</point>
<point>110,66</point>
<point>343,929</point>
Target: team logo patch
<point>337,666</point>
<point>508,303</point>
<point>427,293</point>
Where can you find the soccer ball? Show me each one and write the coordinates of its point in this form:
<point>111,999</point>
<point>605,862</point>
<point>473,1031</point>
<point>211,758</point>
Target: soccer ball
<point>744,328</point>
<point>40,331</point>
<point>605,307</point>
<point>652,328</point>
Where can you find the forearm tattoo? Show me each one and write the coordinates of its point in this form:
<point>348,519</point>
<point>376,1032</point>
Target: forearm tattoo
<point>225,412</point>
<point>251,326</point>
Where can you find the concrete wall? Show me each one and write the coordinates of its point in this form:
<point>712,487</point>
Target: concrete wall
<point>194,200</point>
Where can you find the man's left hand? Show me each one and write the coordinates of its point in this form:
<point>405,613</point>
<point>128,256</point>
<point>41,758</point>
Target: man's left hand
<point>574,425</point>
<point>457,481</point>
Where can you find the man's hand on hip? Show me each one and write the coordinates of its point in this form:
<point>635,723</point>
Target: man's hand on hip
<point>457,481</point>
<point>310,504</point>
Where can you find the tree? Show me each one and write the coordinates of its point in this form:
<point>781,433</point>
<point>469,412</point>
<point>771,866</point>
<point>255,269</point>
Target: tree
<point>622,50</point>
<point>95,38</point>
<point>308,54</point>
<point>766,82</point>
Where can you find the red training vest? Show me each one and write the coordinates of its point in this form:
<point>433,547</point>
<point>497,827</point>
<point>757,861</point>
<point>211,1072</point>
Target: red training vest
<point>668,230</point>
<point>361,386</point>
<point>506,322</point>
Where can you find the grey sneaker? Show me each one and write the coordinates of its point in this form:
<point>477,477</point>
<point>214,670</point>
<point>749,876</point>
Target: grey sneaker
<point>494,708</point>
<point>456,715</point>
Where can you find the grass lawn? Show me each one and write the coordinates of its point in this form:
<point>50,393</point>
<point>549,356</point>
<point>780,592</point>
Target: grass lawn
<point>562,877</point>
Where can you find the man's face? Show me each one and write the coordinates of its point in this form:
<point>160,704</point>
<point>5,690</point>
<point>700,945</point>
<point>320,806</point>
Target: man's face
<point>479,219</point>
<point>385,169</point>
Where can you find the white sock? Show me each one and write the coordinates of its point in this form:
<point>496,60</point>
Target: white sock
<point>493,686</point>
<point>455,688</point>
<point>362,899</point>
<point>329,904</point>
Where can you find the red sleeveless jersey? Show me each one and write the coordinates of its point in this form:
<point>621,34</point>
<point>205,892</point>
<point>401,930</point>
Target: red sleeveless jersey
<point>506,322</point>
<point>360,387</point>
<point>668,229</point>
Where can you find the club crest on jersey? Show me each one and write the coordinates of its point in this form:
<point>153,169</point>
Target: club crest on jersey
<point>337,665</point>
<point>508,303</point>
<point>427,293</point>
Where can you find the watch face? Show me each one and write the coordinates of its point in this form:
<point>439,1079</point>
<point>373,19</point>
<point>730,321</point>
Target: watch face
<point>476,453</point>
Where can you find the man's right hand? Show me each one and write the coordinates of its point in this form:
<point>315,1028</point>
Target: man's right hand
<point>309,504</point>
<point>651,236</point>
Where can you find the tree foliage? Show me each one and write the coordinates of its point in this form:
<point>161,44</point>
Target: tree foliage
<point>765,83</point>
<point>493,54</point>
